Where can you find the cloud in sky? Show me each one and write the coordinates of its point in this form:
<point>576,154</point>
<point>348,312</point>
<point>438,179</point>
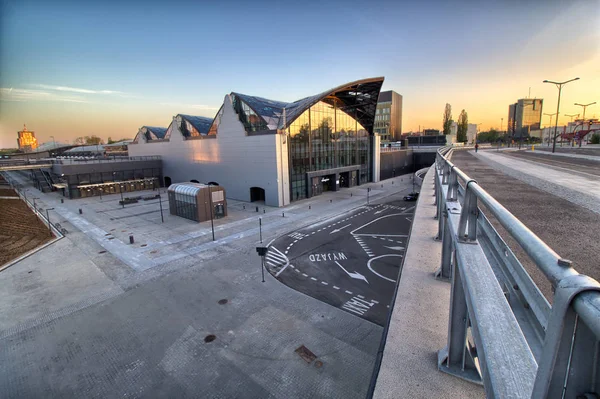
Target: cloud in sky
<point>20,95</point>
<point>76,89</point>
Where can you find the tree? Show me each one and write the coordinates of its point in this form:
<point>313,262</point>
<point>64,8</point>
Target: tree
<point>488,137</point>
<point>88,140</point>
<point>447,118</point>
<point>463,125</point>
<point>595,139</point>
<point>110,140</point>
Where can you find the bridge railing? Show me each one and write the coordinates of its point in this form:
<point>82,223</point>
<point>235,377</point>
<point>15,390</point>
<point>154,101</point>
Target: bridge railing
<point>502,331</point>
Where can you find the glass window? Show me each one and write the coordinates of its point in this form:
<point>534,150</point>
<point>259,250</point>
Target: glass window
<point>251,121</point>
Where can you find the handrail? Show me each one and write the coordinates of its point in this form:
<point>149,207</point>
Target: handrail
<point>570,329</point>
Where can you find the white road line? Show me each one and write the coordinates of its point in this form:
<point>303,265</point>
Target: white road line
<point>348,292</point>
<point>314,279</point>
<point>361,297</point>
<point>286,251</point>
<point>336,288</point>
<point>292,266</point>
<point>374,301</point>
<point>295,241</point>
<point>374,272</point>
<point>305,275</point>
<point>324,283</point>
<point>272,264</point>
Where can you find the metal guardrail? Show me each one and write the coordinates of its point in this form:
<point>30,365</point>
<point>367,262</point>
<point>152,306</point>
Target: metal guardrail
<point>502,332</point>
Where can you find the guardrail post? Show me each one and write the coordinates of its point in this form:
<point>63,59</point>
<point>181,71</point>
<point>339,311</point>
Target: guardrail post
<point>467,225</point>
<point>568,367</point>
<point>455,358</point>
<point>452,186</point>
<point>445,173</point>
<point>445,270</point>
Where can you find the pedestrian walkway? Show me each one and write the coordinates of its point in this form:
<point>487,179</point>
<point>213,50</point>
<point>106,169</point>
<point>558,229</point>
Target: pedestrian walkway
<point>574,187</point>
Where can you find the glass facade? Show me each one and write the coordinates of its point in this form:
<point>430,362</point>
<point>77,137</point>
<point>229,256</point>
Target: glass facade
<point>326,137</point>
<point>251,121</point>
<point>214,127</point>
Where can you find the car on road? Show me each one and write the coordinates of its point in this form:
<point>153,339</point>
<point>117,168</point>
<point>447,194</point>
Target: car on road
<point>411,197</point>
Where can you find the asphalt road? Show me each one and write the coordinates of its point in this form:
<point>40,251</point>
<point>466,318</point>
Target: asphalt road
<point>351,261</point>
<point>585,167</point>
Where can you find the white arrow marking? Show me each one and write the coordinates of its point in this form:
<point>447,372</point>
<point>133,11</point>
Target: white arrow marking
<point>355,275</point>
<point>381,211</point>
<point>396,248</point>
<point>340,229</point>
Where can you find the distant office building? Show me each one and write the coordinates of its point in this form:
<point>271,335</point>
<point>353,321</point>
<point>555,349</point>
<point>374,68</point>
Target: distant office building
<point>26,140</point>
<point>388,117</point>
<point>471,132</point>
<point>524,116</point>
<point>431,132</point>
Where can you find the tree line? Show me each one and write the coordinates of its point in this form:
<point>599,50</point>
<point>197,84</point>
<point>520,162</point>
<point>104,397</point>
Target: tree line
<point>94,140</point>
<point>462,124</point>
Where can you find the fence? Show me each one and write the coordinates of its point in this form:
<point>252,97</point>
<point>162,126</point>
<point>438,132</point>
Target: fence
<point>502,332</point>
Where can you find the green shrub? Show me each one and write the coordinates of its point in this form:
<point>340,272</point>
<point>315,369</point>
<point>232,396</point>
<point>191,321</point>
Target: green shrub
<point>595,139</point>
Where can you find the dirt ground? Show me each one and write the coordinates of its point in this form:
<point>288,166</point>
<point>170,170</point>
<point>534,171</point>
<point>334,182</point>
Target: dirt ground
<point>20,230</point>
<point>7,192</point>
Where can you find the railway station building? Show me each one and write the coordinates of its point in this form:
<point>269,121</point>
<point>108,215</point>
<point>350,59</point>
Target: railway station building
<point>274,151</point>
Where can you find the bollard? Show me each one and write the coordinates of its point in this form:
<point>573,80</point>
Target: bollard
<point>62,200</point>
<point>282,214</point>
<point>392,182</point>
<point>131,241</point>
<point>264,211</point>
<point>309,207</point>
<point>351,194</point>
<point>256,209</point>
<point>244,206</point>
<point>80,211</point>
<point>330,201</point>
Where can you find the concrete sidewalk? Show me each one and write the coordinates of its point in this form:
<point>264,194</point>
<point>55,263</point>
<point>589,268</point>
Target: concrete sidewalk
<point>419,324</point>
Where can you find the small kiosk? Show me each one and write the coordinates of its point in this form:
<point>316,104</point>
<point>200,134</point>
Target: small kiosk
<point>195,201</point>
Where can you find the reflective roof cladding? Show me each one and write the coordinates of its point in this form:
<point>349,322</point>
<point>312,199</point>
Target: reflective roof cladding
<point>201,123</point>
<point>189,189</point>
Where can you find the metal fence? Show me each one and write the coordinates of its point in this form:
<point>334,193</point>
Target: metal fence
<point>502,332</point>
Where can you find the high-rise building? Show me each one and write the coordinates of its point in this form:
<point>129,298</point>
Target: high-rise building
<point>26,140</point>
<point>524,116</point>
<point>388,117</point>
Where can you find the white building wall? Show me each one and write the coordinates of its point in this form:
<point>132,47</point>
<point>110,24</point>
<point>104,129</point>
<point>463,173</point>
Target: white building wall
<point>376,166</point>
<point>233,159</point>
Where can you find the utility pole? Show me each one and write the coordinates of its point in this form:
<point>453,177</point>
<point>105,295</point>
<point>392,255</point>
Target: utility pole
<point>559,86</point>
<point>584,107</point>
<point>549,125</point>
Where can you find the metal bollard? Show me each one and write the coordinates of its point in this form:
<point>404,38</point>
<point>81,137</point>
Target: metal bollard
<point>264,211</point>
<point>244,206</point>
<point>282,214</point>
<point>256,209</point>
<point>351,194</point>
<point>131,241</point>
<point>330,201</point>
<point>309,207</point>
<point>80,211</point>
<point>62,200</point>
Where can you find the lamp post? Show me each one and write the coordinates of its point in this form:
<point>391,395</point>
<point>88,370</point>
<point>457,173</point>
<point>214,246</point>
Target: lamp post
<point>549,125</point>
<point>121,191</point>
<point>212,225</point>
<point>161,211</point>
<point>48,219</point>
<point>584,107</point>
<point>571,116</point>
<point>559,86</point>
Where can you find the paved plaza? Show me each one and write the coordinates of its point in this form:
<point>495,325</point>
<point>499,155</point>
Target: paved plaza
<point>176,314</point>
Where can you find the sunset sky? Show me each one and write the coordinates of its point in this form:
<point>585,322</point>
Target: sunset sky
<point>74,68</point>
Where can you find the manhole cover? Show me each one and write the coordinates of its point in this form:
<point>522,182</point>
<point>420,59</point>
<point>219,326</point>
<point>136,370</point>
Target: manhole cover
<point>210,338</point>
<point>222,301</point>
<point>102,252</point>
<point>305,354</point>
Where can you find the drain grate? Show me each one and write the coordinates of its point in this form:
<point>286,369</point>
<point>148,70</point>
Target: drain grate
<point>223,301</point>
<point>143,245</point>
<point>210,338</point>
<point>305,354</point>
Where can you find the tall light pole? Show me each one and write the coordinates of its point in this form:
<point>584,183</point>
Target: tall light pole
<point>549,125</point>
<point>48,219</point>
<point>584,107</point>
<point>54,143</point>
<point>559,86</point>
<point>572,116</point>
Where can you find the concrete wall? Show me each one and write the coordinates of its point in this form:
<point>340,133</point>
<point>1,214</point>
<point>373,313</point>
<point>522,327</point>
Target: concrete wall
<point>102,167</point>
<point>395,163</point>
<point>233,159</point>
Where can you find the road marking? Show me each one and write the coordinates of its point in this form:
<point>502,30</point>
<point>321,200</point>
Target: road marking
<point>277,254</point>
<point>374,301</point>
<point>314,279</point>
<point>336,287</point>
<point>327,256</point>
<point>377,274</point>
<point>357,305</point>
<point>305,275</point>
<point>373,221</point>
<point>361,297</point>
<point>355,275</point>
<point>324,283</point>
<point>297,271</point>
<point>396,248</point>
<point>348,292</point>
<point>340,229</point>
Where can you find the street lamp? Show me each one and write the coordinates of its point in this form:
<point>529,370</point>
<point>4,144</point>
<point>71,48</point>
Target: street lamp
<point>212,226</point>
<point>161,211</point>
<point>559,86</point>
<point>549,125</point>
<point>48,219</point>
<point>584,107</point>
<point>571,116</point>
